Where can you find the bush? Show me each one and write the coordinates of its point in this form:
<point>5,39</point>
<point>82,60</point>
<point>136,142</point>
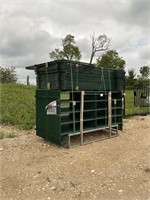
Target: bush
<point>8,75</point>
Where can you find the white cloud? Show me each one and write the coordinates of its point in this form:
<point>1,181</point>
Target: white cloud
<point>31,29</point>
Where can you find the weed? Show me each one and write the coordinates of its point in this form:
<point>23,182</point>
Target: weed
<point>11,135</point>
<point>2,135</point>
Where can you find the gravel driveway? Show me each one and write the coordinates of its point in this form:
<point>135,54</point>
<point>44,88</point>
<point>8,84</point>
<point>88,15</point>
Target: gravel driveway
<point>113,169</point>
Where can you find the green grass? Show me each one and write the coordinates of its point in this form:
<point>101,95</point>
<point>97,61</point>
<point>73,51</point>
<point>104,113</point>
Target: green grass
<point>11,135</point>
<point>18,105</point>
<point>7,135</point>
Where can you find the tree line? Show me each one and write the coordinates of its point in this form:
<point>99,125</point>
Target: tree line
<point>108,59</point>
<point>140,80</point>
<point>71,51</point>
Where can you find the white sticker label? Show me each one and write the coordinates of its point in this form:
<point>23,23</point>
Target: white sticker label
<point>51,108</point>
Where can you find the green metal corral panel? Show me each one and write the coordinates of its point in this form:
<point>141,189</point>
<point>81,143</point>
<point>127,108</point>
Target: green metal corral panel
<point>66,120</point>
<point>53,129</point>
<point>47,126</point>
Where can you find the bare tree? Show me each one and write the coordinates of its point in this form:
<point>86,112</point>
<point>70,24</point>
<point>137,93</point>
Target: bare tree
<point>100,43</point>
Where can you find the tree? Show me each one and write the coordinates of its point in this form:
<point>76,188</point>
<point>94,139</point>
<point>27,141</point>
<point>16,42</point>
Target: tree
<point>8,75</point>
<point>70,50</point>
<point>143,78</point>
<point>56,54</point>
<point>111,59</point>
<point>100,43</point>
<point>131,74</point>
<point>145,72</point>
<point>131,79</point>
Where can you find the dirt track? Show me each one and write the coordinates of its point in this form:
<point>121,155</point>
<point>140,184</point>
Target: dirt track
<point>113,169</point>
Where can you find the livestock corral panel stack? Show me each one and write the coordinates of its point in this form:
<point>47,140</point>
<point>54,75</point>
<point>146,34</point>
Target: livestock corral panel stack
<point>73,98</point>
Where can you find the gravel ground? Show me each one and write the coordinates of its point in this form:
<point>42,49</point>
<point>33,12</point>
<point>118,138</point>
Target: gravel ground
<point>113,169</point>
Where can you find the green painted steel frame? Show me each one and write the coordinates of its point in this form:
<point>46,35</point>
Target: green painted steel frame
<point>66,121</point>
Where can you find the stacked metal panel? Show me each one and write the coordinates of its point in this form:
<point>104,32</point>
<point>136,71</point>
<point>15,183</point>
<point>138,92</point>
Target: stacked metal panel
<point>71,75</point>
<point>58,99</point>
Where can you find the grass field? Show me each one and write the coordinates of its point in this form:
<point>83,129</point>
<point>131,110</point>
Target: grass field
<point>18,105</point>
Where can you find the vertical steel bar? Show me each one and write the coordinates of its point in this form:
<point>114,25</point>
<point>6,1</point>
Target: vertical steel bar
<point>81,115</point>
<point>48,84</point>
<point>72,96</point>
<point>68,141</point>
<point>109,113</point>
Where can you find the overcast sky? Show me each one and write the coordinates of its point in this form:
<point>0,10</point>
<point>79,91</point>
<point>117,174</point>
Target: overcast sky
<point>30,29</point>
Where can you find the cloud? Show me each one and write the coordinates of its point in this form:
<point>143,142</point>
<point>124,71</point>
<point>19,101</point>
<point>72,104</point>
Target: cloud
<point>31,29</point>
<point>23,38</point>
